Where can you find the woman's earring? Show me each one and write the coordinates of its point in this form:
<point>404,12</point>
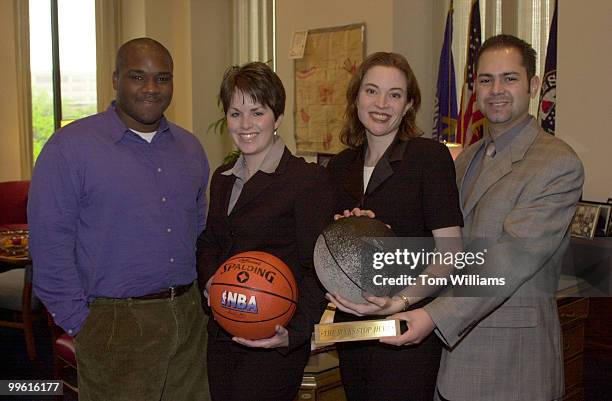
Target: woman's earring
<point>275,133</point>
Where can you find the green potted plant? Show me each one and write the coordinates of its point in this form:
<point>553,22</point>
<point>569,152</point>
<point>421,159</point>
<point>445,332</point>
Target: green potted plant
<point>220,126</point>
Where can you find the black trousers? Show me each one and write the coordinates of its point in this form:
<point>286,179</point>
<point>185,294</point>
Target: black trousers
<point>238,373</point>
<point>372,371</point>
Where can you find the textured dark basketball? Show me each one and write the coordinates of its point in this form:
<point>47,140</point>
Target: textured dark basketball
<point>342,253</point>
<point>251,293</point>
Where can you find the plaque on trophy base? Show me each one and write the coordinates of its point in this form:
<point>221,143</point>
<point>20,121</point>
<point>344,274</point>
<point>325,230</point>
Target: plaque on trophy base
<point>356,331</point>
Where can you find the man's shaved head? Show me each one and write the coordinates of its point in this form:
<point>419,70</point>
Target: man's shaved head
<point>143,82</point>
<point>138,45</point>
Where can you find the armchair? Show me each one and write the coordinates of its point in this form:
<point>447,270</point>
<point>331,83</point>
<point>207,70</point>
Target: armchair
<point>16,296</point>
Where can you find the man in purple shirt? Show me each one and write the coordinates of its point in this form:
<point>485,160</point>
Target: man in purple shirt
<point>116,204</point>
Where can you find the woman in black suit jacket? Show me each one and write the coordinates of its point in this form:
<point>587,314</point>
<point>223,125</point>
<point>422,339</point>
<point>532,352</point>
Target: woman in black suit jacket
<point>407,182</point>
<point>271,201</point>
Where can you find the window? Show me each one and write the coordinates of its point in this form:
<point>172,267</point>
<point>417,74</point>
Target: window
<point>62,65</point>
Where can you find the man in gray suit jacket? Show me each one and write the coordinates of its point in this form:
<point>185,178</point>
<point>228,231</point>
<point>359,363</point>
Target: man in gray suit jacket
<point>519,187</point>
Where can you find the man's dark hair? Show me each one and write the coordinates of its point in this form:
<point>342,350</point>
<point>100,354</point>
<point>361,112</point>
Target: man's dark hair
<point>528,54</point>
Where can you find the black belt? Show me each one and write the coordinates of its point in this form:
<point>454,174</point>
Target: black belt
<point>171,292</point>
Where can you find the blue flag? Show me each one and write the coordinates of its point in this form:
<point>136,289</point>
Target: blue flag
<point>445,102</point>
<point>548,93</point>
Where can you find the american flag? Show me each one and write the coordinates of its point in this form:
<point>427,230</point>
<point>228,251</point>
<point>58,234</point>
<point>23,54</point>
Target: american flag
<point>445,101</point>
<point>471,122</point>
<point>548,93</point>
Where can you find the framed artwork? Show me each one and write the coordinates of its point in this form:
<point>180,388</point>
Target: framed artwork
<point>585,220</point>
<point>331,57</point>
<point>603,222</point>
<point>609,232</point>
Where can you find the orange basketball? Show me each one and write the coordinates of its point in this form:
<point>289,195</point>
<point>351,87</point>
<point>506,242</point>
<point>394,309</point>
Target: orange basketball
<point>251,293</point>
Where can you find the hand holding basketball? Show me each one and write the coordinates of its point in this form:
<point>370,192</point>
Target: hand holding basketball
<point>375,305</point>
<point>206,293</point>
<point>355,212</point>
<point>279,339</point>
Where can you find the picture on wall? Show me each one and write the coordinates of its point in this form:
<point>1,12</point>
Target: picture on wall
<point>322,75</point>
<point>604,214</point>
<point>609,231</point>
<point>585,220</point>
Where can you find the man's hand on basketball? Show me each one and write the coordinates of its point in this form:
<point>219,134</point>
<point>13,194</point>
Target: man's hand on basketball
<point>355,212</point>
<point>374,306</point>
<point>279,339</point>
<point>419,324</point>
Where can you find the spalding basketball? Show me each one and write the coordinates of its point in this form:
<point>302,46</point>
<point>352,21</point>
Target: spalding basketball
<point>251,293</point>
<point>343,254</point>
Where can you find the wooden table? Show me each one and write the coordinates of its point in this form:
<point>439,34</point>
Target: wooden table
<point>10,262</point>
<point>15,260</point>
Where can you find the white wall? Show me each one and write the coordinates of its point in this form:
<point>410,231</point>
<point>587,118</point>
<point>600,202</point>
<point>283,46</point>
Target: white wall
<point>211,55</point>
<point>584,82</point>
<point>415,39</point>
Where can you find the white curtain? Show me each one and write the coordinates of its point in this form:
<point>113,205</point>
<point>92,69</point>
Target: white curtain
<point>108,40</point>
<point>533,25</point>
<point>491,24</point>
<point>253,36</point>
<point>24,91</point>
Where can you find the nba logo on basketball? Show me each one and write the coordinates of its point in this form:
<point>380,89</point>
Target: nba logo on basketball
<point>237,301</point>
<point>251,293</point>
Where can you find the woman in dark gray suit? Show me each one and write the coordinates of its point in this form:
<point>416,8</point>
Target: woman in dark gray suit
<point>407,182</point>
<point>271,201</point>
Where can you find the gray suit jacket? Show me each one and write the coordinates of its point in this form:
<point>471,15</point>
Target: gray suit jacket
<point>508,347</point>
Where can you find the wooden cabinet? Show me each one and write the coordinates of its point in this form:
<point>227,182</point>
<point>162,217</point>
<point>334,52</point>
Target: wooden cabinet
<point>599,328</point>
<point>572,315</point>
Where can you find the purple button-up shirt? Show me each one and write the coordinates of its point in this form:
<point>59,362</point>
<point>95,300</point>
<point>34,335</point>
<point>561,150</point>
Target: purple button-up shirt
<point>112,215</point>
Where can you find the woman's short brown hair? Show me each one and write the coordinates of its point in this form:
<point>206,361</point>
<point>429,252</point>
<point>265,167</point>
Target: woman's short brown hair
<point>353,131</point>
<point>256,80</point>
